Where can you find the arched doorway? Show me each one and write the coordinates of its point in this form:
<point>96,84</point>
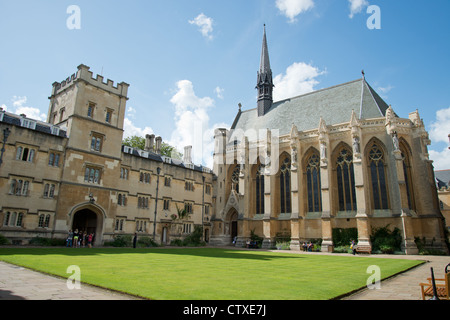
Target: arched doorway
<point>232,222</point>
<point>89,219</point>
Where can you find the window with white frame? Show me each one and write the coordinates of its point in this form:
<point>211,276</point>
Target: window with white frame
<point>119,224</point>
<point>25,154</point>
<point>92,175</point>
<point>44,220</point>
<point>49,190</point>
<point>53,159</point>
<point>143,202</point>
<point>13,219</point>
<point>122,199</point>
<point>19,187</point>
<point>97,142</point>
<point>141,225</point>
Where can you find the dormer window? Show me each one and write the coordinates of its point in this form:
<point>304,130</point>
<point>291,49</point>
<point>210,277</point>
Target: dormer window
<point>26,123</point>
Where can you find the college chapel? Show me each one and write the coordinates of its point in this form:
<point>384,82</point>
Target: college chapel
<point>336,158</point>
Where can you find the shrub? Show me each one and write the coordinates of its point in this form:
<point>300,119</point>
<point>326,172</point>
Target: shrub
<point>120,241</point>
<point>195,238</point>
<point>4,240</point>
<point>343,237</point>
<point>47,242</point>
<point>255,238</point>
<point>385,240</point>
<point>145,242</point>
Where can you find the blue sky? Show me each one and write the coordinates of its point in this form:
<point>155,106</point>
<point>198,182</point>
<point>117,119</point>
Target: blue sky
<point>190,63</point>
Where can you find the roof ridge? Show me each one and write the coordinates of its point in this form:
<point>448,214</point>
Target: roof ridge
<point>319,90</point>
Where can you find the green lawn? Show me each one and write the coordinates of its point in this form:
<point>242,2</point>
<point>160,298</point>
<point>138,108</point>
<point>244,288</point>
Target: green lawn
<point>209,273</point>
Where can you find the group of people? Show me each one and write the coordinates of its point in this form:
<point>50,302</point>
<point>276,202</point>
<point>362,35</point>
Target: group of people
<point>78,239</point>
<point>308,246</point>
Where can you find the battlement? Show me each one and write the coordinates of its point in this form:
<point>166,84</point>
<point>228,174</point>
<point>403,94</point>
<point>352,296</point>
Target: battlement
<point>84,74</point>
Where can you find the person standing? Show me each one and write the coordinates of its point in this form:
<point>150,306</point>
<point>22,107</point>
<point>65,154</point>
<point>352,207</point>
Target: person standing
<point>69,238</point>
<point>135,240</point>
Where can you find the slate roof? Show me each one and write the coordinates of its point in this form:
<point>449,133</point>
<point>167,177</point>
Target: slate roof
<point>13,119</point>
<point>442,178</point>
<point>334,105</point>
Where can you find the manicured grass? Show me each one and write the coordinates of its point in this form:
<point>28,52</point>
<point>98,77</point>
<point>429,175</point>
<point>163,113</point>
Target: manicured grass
<point>209,273</point>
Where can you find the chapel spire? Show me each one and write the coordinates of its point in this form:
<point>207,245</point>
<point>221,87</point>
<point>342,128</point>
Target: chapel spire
<point>265,82</point>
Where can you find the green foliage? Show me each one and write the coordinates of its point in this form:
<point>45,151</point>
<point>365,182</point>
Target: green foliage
<point>139,143</point>
<point>146,242</point>
<point>343,237</point>
<point>192,240</point>
<point>120,241</point>
<point>4,240</point>
<point>255,238</point>
<point>47,242</point>
<point>385,240</point>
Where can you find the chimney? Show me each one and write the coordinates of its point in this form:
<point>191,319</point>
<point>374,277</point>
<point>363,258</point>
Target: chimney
<point>149,142</point>
<point>188,155</point>
<point>158,145</point>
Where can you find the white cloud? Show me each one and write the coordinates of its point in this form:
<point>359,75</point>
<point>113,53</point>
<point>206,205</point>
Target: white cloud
<point>356,6</point>
<point>441,159</point>
<point>440,129</point>
<point>20,107</point>
<point>192,126</point>
<point>300,78</point>
<point>219,92</point>
<point>205,24</point>
<point>131,130</point>
<point>292,8</point>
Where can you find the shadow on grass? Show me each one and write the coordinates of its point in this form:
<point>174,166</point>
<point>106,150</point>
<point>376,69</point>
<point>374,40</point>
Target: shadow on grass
<point>199,252</point>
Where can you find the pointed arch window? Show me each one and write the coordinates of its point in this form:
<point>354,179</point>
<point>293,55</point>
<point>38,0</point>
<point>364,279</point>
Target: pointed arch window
<point>285,186</point>
<point>346,181</point>
<point>313,183</point>
<point>378,177</point>
<point>260,190</point>
<point>407,171</point>
<point>235,179</point>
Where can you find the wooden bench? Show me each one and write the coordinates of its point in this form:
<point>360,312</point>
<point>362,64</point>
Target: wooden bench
<point>363,249</point>
<point>442,289</point>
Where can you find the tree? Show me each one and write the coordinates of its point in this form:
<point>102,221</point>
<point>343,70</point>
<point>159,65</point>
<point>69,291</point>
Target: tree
<point>139,143</point>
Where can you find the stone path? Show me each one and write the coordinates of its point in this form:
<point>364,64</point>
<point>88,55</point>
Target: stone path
<point>17,283</point>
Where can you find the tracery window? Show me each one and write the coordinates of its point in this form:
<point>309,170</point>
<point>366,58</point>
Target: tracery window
<point>407,171</point>
<point>260,190</point>
<point>285,185</point>
<point>313,183</point>
<point>378,178</point>
<point>346,181</point>
<point>235,179</point>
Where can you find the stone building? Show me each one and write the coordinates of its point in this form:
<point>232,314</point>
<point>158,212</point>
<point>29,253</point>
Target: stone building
<point>339,157</point>
<point>443,186</point>
<point>72,172</point>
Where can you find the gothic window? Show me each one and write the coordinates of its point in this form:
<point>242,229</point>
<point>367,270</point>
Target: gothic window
<point>119,224</point>
<point>19,187</point>
<point>378,178</point>
<point>92,175</point>
<point>44,221</point>
<point>346,181</point>
<point>260,190</point>
<point>13,219</point>
<point>53,159</point>
<point>235,179</point>
<point>313,183</point>
<point>96,142</point>
<point>407,171</point>
<point>285,185</point>
<point>25,154</point>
